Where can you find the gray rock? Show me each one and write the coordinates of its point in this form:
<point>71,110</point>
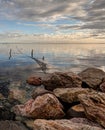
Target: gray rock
<point>69,95</point>
<point>6,114</point>
<point>4,90</point>
<point>92,77</point>
<point>62,80</point>
<point>38,91</point>
<point>12,125</point>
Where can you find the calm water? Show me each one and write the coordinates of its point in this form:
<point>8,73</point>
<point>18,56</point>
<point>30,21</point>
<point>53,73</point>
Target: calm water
<point>59,57</point>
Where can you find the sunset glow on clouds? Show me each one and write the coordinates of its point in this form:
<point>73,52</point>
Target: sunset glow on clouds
<point>52,21</point>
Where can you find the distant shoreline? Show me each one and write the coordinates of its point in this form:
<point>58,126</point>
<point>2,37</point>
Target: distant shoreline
<point>47,43</point>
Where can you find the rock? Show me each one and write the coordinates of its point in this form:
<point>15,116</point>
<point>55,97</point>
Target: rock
<point>1,96</point>
<point>6,109</point>
<point>20,91</point>
<point>94,106</point>
<point>92,77</point>
<point>4,90</point>
<point>8,103</point>
<point>39,91</point>
<point>29,123</point>
<point>40,124</point>
<point>102,87</point>
<point>45,106</point>
<point>62,80</point>
<point>12,125</point>
<point>34,81</point>
<point>85,121</point>
<point>76,111</point>
<point>17,94</point>
<point>69,95</point>
<point>6,114</point>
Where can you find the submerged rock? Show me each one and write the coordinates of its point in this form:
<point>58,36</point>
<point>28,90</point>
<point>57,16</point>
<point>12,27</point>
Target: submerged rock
<point>17,94</point>
<point>92,77</point>
<point>94,106</point>
<point>45,106</point>
<point>6,109</point>
<point>6,114</point>
<point>38,91</point>
<point>4,90</point>
<point>40,124</point>
<point>12,125</point>
<point>8,103</point>
<point>34,81</point>
<point>69,95</point>
<point>62,80</point>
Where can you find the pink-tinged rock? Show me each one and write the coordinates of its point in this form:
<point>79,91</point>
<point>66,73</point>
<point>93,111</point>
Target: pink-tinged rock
<point>102,87</point>
<point>62,80</point>
<point>40,124</point>
<point>45,106</point>
<point>34,81</point>
<point>94,106</point>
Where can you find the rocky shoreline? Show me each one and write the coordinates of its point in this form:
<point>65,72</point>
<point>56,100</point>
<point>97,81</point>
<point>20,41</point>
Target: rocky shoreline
<point>57,101</point>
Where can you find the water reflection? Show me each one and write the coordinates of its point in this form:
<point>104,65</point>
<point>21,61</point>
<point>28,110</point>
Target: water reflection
<point>65,57</point>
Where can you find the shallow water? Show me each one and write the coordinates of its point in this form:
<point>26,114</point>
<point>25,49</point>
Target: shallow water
<point>59,57</point>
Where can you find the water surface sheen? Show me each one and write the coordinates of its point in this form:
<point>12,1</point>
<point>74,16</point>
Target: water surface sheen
<point>59,57</point>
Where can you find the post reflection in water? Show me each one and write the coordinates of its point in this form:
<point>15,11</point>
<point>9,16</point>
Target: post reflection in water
<point>64,57</point>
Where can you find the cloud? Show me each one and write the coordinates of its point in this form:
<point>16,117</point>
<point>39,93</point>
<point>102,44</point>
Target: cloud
<point>39,10</point>
<point>89,14</point>
<point>16,37</point>
<point>95,17</point>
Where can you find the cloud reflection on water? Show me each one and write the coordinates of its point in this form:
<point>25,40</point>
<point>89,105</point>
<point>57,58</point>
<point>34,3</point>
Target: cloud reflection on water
<point>66,57</point>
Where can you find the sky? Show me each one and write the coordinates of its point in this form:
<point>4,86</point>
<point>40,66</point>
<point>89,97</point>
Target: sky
<point>52,21</point>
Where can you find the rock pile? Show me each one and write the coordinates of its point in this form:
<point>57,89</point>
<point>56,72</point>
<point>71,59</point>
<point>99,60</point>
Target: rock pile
<point>65,101</point>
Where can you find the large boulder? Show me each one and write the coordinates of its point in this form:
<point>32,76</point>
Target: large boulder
<point>94,106</point>
<point>69,95</point>
<point>45,106</point>
<point>62,80</point>
<point>12,125</point>
<point>40,124</point>
<point>92,77</point>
